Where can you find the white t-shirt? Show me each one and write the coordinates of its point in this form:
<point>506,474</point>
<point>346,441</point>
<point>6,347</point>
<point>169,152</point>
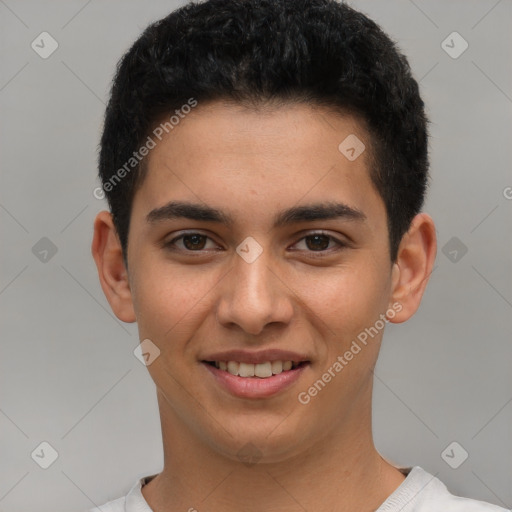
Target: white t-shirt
<point>419,492</point>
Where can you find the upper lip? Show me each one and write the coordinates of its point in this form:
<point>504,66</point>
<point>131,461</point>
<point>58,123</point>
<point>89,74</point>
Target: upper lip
<point>244,356</point>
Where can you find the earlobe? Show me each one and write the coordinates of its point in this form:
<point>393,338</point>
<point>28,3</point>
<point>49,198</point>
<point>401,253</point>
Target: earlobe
<point>413,266</point>
<point>107,253</point>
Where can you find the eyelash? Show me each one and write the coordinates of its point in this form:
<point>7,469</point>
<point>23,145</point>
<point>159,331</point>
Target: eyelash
<point>340,245</point>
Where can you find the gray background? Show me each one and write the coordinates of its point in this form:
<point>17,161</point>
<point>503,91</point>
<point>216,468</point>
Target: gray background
<point>68,373</point>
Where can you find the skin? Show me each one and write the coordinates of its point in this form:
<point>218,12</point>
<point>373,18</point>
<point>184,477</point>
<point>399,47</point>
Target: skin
<point>252,164</point>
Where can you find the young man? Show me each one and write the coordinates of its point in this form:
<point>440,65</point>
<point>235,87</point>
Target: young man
<point>265,163</point>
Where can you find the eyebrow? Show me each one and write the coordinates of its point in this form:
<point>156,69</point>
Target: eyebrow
<point>296,214</point>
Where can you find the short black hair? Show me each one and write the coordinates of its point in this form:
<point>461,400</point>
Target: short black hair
<point>254,52</point>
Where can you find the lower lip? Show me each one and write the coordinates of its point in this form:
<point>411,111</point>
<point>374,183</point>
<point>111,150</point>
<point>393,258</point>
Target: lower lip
<point>255,387</point>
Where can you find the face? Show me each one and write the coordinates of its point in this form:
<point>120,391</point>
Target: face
<point>255,240</point>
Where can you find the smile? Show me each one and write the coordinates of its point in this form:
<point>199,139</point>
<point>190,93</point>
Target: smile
<point>261,370</point>
<point>255,380</point>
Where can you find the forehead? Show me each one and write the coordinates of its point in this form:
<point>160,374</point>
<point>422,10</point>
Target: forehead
<point>232,156</point>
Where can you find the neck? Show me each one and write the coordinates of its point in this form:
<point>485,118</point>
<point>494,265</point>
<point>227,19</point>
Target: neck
<point>342,471</point>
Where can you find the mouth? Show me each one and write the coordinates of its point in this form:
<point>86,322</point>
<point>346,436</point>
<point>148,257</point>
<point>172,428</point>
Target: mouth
<point>254,380</point>
<point>262,370</point>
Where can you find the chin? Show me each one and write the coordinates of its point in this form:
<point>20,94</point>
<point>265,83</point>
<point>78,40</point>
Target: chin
<point>264,442</point>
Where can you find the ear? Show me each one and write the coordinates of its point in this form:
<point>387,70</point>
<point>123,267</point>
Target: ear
<point>112,272</point>
<point>413,266</point>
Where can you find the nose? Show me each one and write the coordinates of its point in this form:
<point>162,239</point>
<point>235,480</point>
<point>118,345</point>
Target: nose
<point>254,296</point>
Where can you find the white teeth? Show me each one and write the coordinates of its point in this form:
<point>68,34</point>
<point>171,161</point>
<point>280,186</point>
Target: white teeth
<point>233,367</point>
<point>261,370</point>
<point>277,367</point>
<point>246,370</point>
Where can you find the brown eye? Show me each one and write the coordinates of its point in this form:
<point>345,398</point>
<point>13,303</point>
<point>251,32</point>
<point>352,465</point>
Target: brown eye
<point>191,242</point>
<point>317,242</point>
<point>319,245</point>
<point>194,242</point>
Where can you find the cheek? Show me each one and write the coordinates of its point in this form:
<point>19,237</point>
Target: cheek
<point>349,302</point>
<point>171,301</point>
<point>347,298</point>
